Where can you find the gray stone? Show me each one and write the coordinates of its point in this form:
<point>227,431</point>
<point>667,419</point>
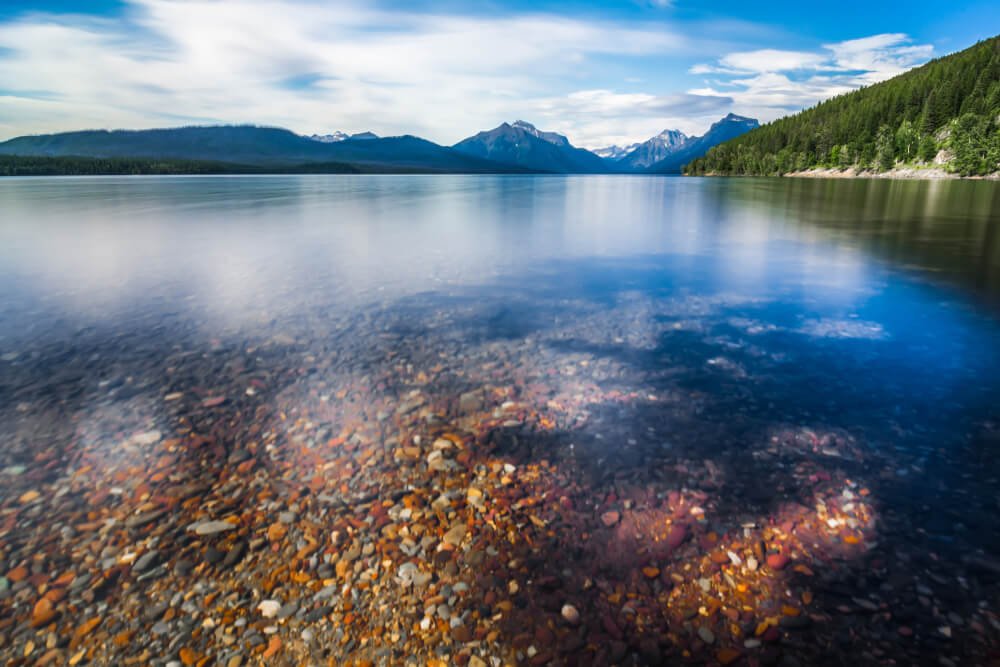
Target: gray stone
<point>140,520</point>
<point>146,561</point>
<point>288,610</point>
<point>210,527</point>
<point>318,613</point>
<point>155,573</point>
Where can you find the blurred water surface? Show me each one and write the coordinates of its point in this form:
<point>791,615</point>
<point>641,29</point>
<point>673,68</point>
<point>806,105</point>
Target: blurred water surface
<point>768,348</point>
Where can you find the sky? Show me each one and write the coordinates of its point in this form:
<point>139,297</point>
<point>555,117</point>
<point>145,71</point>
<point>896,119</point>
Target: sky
<point>602,73</point>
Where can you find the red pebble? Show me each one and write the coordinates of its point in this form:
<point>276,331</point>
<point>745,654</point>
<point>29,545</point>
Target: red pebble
<point>677,535</point>
<point>777,561</point>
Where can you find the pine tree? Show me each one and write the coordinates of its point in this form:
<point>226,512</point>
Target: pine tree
<point>885,154</point>
<point>928,148</point>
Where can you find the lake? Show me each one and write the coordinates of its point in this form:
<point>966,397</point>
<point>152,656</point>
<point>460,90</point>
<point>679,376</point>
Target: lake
<point>499,420</point>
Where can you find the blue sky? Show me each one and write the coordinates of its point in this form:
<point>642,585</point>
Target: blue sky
<point>600,72</point>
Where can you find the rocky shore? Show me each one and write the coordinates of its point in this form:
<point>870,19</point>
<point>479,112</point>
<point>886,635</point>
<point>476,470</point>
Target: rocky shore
<point>904,173</point>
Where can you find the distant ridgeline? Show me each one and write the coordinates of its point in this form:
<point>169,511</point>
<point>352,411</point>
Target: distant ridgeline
<point>516,148</point>
<point>945,113</point>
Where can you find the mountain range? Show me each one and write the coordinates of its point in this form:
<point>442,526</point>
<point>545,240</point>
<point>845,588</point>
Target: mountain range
<point>255,146</point>
<point>517,147</point>
<point>730,127</point>
<point>648,152</point>
<point>342,136</point>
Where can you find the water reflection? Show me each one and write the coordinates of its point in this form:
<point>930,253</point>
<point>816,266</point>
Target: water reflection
<point>417,417</point>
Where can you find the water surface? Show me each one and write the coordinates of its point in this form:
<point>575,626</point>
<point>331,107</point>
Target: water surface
<point>639,375</point>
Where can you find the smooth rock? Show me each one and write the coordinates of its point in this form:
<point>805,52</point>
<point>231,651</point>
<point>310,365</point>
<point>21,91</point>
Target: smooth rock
<point>146,561</point>
<point>140,520</point>
<point>147,438</point>
<point>211,527</point>
<point>570,614</point>
<point>234,555</point>
<point>288,610</point>
<point>455,534</point>
<point>269,608</point>
<point>777,561</point>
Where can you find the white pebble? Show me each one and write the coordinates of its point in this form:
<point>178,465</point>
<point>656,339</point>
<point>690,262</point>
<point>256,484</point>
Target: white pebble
<point>269,608</point>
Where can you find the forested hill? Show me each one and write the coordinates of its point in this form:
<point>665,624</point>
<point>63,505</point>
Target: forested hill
<point>946,111</point>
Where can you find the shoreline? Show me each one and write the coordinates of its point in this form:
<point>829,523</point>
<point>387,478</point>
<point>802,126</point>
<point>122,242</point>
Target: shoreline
<point>899,173</point>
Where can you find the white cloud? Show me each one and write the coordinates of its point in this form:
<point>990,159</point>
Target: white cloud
<point>319,66</point>
<point>604,117</point>
<point>771,60</point>
<point>770,83</point>
<point>879,57</point>
<point>304,65</point>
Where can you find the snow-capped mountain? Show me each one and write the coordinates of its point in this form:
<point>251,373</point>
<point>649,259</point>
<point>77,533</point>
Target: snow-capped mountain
<point>723,130</point>
<point>653,149</point>
<point>330,138</point>
<point>342,136</point>
<point>614,152</point>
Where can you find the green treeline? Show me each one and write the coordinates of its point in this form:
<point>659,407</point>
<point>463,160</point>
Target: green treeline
<point>951,104</point>
<point>27,165</point>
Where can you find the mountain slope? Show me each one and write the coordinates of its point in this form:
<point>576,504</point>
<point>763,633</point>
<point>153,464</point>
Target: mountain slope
<point>614,153</point>
<point>950,104</point>
<point>723,130</point>
<point>522,145</point>
<point>256,146</point>
<point>653,149</point>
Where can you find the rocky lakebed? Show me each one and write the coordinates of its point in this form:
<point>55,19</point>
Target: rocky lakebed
<point>456,482</point>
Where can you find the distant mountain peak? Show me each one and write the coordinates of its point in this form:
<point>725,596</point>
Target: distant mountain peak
<point>338,136</point>
<point>522,144</point>
<point>329,138</point>
<point>650,151</point>
<point>551,137</point>
<point>672,134</point>
<point>729,127</point>
<point>735,118</point>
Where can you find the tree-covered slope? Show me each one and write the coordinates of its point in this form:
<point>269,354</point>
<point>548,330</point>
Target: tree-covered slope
<point>946,110</point>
